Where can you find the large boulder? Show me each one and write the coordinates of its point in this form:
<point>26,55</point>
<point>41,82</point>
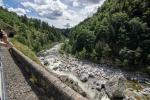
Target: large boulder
<point>115,87</point>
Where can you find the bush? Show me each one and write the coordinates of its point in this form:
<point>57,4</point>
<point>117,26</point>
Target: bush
<point>82,54</point>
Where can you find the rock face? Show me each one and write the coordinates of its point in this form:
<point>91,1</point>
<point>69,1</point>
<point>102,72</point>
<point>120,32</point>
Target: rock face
<point>115,87</point>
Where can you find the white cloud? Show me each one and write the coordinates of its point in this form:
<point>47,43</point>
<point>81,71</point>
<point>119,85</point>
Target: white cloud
<point>76,4</point>
<point>19,11</point>
<point>1,2</point>
<point>48,8</point>
<point>62,12</point>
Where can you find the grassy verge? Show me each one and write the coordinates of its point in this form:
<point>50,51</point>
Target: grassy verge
<point>25,50</point>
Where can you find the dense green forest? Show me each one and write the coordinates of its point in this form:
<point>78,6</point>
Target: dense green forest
<point>34,33</point>
<point>118,33</point>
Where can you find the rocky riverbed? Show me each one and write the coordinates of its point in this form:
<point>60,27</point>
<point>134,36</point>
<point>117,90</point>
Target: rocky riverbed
<point>95,79</point>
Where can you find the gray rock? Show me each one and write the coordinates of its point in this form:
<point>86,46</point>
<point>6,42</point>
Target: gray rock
<point>46,63</point>
<point>100,85</point>
<point>41,58</point>
<point>98,88</point>
<point>84,77</point>
<point>91,74</point>
<point>55,68</point>
<point>115,87</point>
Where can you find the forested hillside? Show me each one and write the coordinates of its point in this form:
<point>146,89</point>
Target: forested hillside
<point>34,33</point>
<point>119,32</point>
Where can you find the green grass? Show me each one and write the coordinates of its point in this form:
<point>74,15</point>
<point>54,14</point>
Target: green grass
<point>25,50</point>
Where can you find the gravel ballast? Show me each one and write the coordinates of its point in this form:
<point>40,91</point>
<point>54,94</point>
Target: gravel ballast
<point>17,86</point>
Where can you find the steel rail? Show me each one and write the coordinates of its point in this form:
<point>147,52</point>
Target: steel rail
<point>2,81</point>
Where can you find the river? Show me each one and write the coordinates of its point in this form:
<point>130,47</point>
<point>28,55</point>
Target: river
<point>88,75</point>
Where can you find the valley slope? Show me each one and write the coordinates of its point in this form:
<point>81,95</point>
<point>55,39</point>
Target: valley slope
<point>118,33</point>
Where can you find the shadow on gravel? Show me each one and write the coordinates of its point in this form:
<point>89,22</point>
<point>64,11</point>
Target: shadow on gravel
<point>38,91</point>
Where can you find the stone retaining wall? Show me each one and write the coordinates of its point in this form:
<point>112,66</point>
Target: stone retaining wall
<point>51,85</point>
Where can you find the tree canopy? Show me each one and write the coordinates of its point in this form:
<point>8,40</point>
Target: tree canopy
<point>34,33</point>
<point>119,32</point>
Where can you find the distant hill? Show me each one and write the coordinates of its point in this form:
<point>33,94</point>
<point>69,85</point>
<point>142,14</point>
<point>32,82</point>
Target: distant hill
<point>119,33</point>
<point>34,33</point>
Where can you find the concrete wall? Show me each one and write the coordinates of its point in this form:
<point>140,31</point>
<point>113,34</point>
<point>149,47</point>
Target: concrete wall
<point>51,85</point>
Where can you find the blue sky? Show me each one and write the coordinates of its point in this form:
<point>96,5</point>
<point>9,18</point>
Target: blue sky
<point>59,13</point>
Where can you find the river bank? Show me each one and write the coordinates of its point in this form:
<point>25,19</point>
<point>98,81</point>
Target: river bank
<point>89,76</point>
